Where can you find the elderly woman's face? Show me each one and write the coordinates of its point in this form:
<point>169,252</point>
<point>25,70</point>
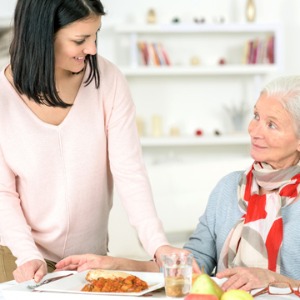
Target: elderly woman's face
<point>273,134</point>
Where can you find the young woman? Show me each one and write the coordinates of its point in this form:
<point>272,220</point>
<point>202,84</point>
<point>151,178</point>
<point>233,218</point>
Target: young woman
<point>67,135</point>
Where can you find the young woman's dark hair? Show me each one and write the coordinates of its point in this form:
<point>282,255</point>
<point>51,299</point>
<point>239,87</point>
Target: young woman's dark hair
<point>32,49</point>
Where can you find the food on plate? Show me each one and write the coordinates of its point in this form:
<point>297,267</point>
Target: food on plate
<point>108,281</point>
<point>236,295</point>
<point>111,274</point>
<point>204,284</point>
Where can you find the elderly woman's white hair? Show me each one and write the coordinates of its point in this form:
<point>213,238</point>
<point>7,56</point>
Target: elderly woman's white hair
<point>287,89</point>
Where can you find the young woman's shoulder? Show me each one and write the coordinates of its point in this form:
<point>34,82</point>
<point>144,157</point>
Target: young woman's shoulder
<point>107,67</point>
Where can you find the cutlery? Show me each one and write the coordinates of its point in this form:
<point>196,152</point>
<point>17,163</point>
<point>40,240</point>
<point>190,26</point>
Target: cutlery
<point>33,286</point>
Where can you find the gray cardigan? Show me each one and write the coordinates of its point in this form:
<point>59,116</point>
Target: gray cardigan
<point>222,213</point>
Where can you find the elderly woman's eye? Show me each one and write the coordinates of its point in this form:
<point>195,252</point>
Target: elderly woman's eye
<point>271,125</point>
<point>255,116</point>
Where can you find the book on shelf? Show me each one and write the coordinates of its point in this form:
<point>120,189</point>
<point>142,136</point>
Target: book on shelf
<point>153,54</point>
<point>259,51</point>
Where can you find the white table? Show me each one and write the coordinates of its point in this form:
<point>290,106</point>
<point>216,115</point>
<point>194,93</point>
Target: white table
<point>20,291</point>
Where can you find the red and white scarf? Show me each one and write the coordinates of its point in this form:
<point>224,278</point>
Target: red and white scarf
<point>256,239</point>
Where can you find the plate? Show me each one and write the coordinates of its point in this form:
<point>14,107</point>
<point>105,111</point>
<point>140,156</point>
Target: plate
<point>11,290</point>
<point>74,284</point>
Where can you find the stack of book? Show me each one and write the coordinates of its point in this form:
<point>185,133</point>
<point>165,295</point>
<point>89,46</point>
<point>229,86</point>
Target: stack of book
<point>153,54</point>
<point>259,51</point>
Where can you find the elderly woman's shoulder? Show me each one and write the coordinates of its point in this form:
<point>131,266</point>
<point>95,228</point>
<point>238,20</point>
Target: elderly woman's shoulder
<point>233,176</point>
<point>230,179</point>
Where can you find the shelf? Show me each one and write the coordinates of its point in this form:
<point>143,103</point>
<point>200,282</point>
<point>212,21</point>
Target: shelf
<point>136,31</point>
<point>196,28</point>
<point>234,139</point>
<point>198,71</point>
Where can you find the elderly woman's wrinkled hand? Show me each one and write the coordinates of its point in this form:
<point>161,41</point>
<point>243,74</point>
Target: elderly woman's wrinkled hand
<point>246,278</point>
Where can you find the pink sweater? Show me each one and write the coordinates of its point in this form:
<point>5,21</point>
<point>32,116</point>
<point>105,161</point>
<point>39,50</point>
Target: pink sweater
<point>56,182</point>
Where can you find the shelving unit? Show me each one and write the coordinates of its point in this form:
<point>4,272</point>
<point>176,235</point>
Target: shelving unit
<point>248,29</point>
<point>203,39</point>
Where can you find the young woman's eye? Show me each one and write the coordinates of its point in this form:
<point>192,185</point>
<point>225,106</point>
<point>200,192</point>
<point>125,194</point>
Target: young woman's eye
<point>79,42</point>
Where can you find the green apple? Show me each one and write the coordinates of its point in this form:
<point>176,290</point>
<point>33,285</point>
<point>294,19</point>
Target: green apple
<point>236,295</point>
<point>204,284</point>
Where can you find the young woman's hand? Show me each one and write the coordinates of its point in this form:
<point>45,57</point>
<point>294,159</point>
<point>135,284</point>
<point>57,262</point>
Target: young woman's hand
<point>91,261</point>
<point>35,269</point>
<point>167,249</point>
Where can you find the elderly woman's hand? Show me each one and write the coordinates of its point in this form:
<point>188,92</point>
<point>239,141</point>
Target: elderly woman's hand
<point>244,278</point>
<point>168,250</point>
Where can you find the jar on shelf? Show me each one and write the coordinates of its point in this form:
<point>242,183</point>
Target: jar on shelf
<point>250,11</point>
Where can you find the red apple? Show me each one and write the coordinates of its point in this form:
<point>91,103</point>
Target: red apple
<point>200,297</point>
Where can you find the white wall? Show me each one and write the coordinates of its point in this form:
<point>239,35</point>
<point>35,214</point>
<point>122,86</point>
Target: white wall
<point>177,182</point>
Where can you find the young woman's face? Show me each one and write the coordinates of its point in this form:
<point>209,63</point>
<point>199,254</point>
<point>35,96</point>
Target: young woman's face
<point>273,134</point>
<point>74,42</point>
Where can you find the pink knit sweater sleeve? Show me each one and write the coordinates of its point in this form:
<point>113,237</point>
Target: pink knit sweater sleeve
<point>126,161</point>
<point>12,222</point>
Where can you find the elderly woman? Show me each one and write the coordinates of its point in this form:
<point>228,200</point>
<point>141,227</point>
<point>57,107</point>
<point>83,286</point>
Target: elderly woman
<point>249,231</point>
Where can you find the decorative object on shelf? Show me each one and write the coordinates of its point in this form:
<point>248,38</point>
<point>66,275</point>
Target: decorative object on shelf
<point>175,20</point>
<point>237,114</point>
<point>217,132</point>
<point>157,130</point>
<point>151,16</point>
<point>200,20</point>
<point>222,61</point>
<point>250,11</point>
<point>195,61</point>
<point>140,126</point>
<point>174,131</point>
<point>198,132</point>
<point>219,19</point>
